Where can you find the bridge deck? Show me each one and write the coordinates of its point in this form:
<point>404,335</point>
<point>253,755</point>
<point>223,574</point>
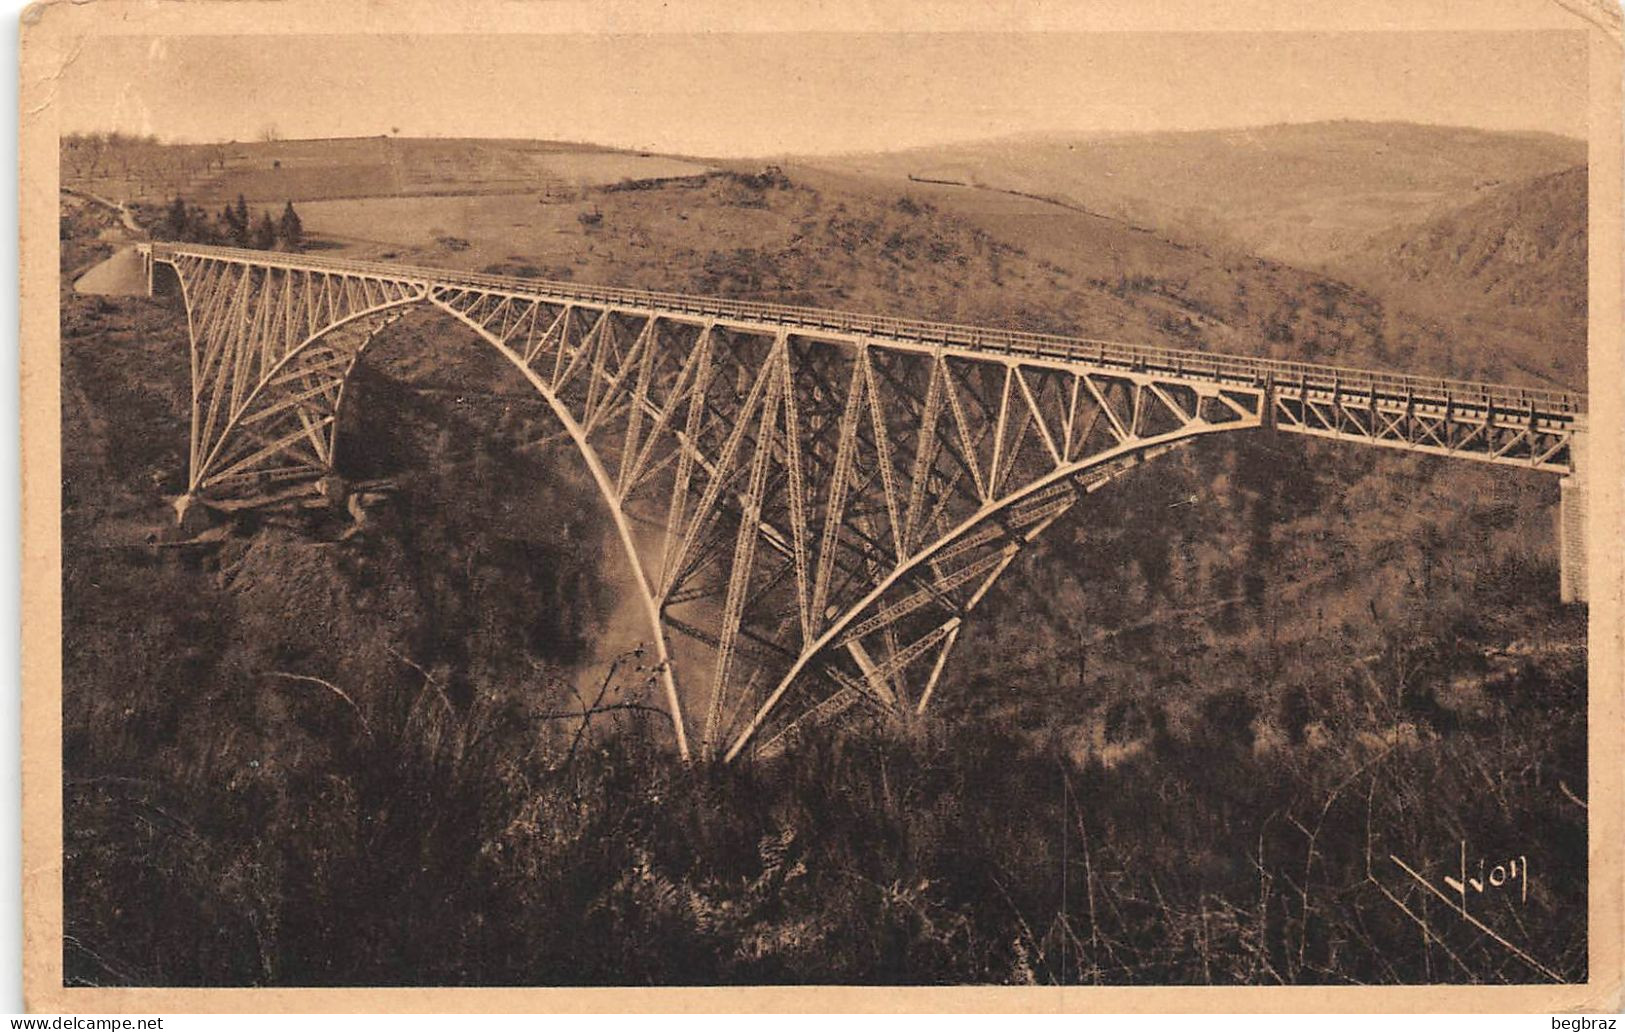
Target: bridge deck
<point>1539,406</point>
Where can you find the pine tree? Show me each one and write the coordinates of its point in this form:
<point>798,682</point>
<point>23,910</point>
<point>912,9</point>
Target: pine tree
<point>229,228</point>
<point>290,230</point>
<point>265,232</point>
<point>236,227</point>
<point>175,220</point>
<point>199,229</point>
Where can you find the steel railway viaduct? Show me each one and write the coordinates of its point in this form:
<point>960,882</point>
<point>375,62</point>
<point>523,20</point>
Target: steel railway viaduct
<point>815,500</point>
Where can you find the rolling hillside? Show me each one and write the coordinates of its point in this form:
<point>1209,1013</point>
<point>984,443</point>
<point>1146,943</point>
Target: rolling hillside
<point>275,171</point>
<point>910,249</point>
<point>1511,265</point>
<point>1302,194</point>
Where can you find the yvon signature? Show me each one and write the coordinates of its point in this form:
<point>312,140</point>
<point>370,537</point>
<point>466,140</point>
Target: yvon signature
<point>1509,875</point>
<point>1494,877</point>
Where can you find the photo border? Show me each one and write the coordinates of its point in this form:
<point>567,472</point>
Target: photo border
<point>51,36</point>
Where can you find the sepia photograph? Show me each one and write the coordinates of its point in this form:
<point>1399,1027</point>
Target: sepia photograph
<point>602,503</point>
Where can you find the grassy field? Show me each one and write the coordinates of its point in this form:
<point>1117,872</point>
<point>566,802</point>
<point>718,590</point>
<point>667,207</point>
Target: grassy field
<point>1175,748</point>
<point>274,172</point>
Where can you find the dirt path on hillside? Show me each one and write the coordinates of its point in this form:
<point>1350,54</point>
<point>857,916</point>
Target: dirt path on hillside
<point>123,274</point>
<point>124,214</point>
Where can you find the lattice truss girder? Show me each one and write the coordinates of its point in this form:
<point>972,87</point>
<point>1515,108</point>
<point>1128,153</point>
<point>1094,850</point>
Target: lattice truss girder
<point>1463,430</point>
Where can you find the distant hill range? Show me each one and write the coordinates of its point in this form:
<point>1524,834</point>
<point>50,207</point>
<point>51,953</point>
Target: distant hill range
<point>1303,194</point>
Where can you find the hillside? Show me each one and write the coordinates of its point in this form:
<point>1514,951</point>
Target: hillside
<point>319,753</point>
<point>275,171</point>
<point>853,242</point>
<point>1511,263</point>
<point>1301,194</point>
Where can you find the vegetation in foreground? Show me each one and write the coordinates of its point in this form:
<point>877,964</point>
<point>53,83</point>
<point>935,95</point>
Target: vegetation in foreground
<point>415,842</point>
<point>297,762</point>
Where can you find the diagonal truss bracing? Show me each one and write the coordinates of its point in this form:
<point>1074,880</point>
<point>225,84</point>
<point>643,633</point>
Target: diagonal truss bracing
<point>815,500</point>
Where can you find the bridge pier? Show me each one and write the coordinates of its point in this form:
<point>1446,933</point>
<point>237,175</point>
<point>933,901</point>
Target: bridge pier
<point>1572,512</point>
<point>333,489</point>
<point>192,517</point>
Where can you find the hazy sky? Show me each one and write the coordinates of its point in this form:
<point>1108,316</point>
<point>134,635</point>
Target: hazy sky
<point>745,95</point>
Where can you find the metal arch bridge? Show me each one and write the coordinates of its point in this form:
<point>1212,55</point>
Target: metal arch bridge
<point>816,498</point>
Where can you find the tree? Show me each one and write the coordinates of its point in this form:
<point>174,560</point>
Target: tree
<point>290,230</point>
<point>230,228</point>
<point>176,220</point>
<point>198,227</point>
<point>265,232</point>
<point>236,226</point>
